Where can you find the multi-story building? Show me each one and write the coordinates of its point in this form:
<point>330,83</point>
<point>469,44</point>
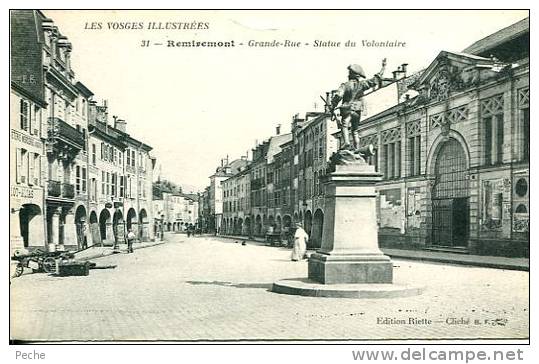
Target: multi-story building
<point>274,187</point>
<point>237,203</point>
<point>451,142</point>
<point>224,171</point>
<point>69,148</point>
<point>257,179</point>
<point>455,158</point>
<point>314,143</point>
<point>179,210</point>
<point>204,211</point>
<point>27,133</point>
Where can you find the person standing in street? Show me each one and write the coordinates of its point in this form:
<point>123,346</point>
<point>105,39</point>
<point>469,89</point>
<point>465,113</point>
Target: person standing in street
<point>130,240</point>
<point>300,243</point>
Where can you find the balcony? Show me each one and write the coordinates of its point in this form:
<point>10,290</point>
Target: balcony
<point>54,188</point>
<point>68,190</point>
<point>58,189</point>
<point>61,131</point>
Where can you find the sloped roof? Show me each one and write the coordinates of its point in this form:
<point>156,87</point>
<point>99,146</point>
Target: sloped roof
<point>275,145</point>
<point>504,35</point>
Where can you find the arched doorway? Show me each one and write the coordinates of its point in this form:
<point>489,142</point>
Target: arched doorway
<point>80,225</point>
<point>258,225</point>
<point>271,223</point>
<point>296,217</point>
<point>307,226</point>
<point>29,224</point>
<point>247,226</point>
<point>308,222</point>
<point>104,223</point>
<point>450,193</point>
<point>143,225</point>
<point>317,228</point>
<point>94,229</point>
<point>278,224</point>
<point>131,221</point>
<point>118,227</point>
<point>240,226</point>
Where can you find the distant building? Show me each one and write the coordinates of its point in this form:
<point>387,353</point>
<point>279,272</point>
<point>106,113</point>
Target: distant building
<point>224,171</point>
<point>178,210</point>
<point>237,204</point>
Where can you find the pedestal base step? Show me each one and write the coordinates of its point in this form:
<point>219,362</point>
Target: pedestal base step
<point>307,287</point>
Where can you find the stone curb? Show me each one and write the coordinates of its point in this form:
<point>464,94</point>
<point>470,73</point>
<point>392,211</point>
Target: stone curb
<point>392,254</point>
<point>109,251</point>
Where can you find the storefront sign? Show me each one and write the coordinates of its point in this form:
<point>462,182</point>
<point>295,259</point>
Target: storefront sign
<point>26,139</point>
<point>22,192</point>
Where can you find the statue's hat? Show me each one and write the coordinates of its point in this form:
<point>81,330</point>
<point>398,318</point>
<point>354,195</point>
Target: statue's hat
<point>357,69</point>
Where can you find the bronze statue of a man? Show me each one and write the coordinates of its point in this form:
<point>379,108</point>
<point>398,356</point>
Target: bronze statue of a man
<point>351,93</point>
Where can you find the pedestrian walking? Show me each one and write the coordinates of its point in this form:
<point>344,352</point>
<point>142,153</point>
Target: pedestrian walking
<point>130,240</point>
<point>300,243</point>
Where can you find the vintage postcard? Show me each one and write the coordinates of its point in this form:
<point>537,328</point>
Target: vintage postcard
<point>269,176</point>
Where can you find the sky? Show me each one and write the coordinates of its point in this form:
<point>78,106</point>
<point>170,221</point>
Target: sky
<point>195,106</point>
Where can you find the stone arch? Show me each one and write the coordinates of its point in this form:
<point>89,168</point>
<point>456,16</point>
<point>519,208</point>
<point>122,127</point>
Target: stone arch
<point>240,226</point>
<point>94,228</point>
<point>131,220</point>
<point>118,226</point>
<point>105,226</point>
<point>258,225</point>
<point>29,223</point>
<point>317,228</point>
<point>80,226</point>
<point>247,226</point>
<point>278,224</point>
<point>438,143</point>
<point>143,225</point>
<point>308,223</point>
<point>449,194</point>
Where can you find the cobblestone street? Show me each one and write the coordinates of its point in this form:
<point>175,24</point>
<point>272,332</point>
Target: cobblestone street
<point>215,289</point>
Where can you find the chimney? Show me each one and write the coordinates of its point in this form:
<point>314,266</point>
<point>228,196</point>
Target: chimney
<point>278,129</point>
<point>403,68</point>
<point>120,124</point>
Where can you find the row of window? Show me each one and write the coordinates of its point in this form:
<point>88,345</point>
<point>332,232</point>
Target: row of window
<point>28,167</point>
<point>115,185</point>
<point>29,117</point>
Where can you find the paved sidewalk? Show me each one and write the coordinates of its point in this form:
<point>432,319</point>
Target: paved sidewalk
<point>521,264</point>
<point>103,251</point>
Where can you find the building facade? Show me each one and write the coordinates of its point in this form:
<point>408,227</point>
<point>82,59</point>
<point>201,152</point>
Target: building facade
<point>179,211</point>
<point>455,159</point>
<point>71,187</point>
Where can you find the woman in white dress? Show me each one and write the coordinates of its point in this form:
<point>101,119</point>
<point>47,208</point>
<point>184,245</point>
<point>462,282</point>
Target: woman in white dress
<point>300,243</point>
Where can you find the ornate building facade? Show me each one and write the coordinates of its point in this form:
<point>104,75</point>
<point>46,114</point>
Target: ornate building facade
<point>72,186</point>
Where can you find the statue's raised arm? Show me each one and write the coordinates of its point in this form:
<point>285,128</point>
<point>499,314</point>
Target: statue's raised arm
<point>350,96</point>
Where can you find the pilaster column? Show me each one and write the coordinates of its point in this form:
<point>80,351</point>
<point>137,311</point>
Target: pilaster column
<point>70,229</point>
<point>55,226</point>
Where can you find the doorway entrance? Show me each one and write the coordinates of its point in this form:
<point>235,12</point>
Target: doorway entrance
<point>450,195</point>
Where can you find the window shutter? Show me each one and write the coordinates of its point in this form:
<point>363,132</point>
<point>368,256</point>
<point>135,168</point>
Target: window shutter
<point>101,151</point>
<point>30,166</point>
<point>18,162</point>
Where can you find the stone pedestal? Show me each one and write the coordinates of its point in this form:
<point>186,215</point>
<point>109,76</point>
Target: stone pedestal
<point>350,252</point>
<point>349,262</point>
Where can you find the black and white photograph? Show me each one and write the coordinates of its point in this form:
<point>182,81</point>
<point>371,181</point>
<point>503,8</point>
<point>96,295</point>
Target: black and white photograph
<point>269,176</point>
